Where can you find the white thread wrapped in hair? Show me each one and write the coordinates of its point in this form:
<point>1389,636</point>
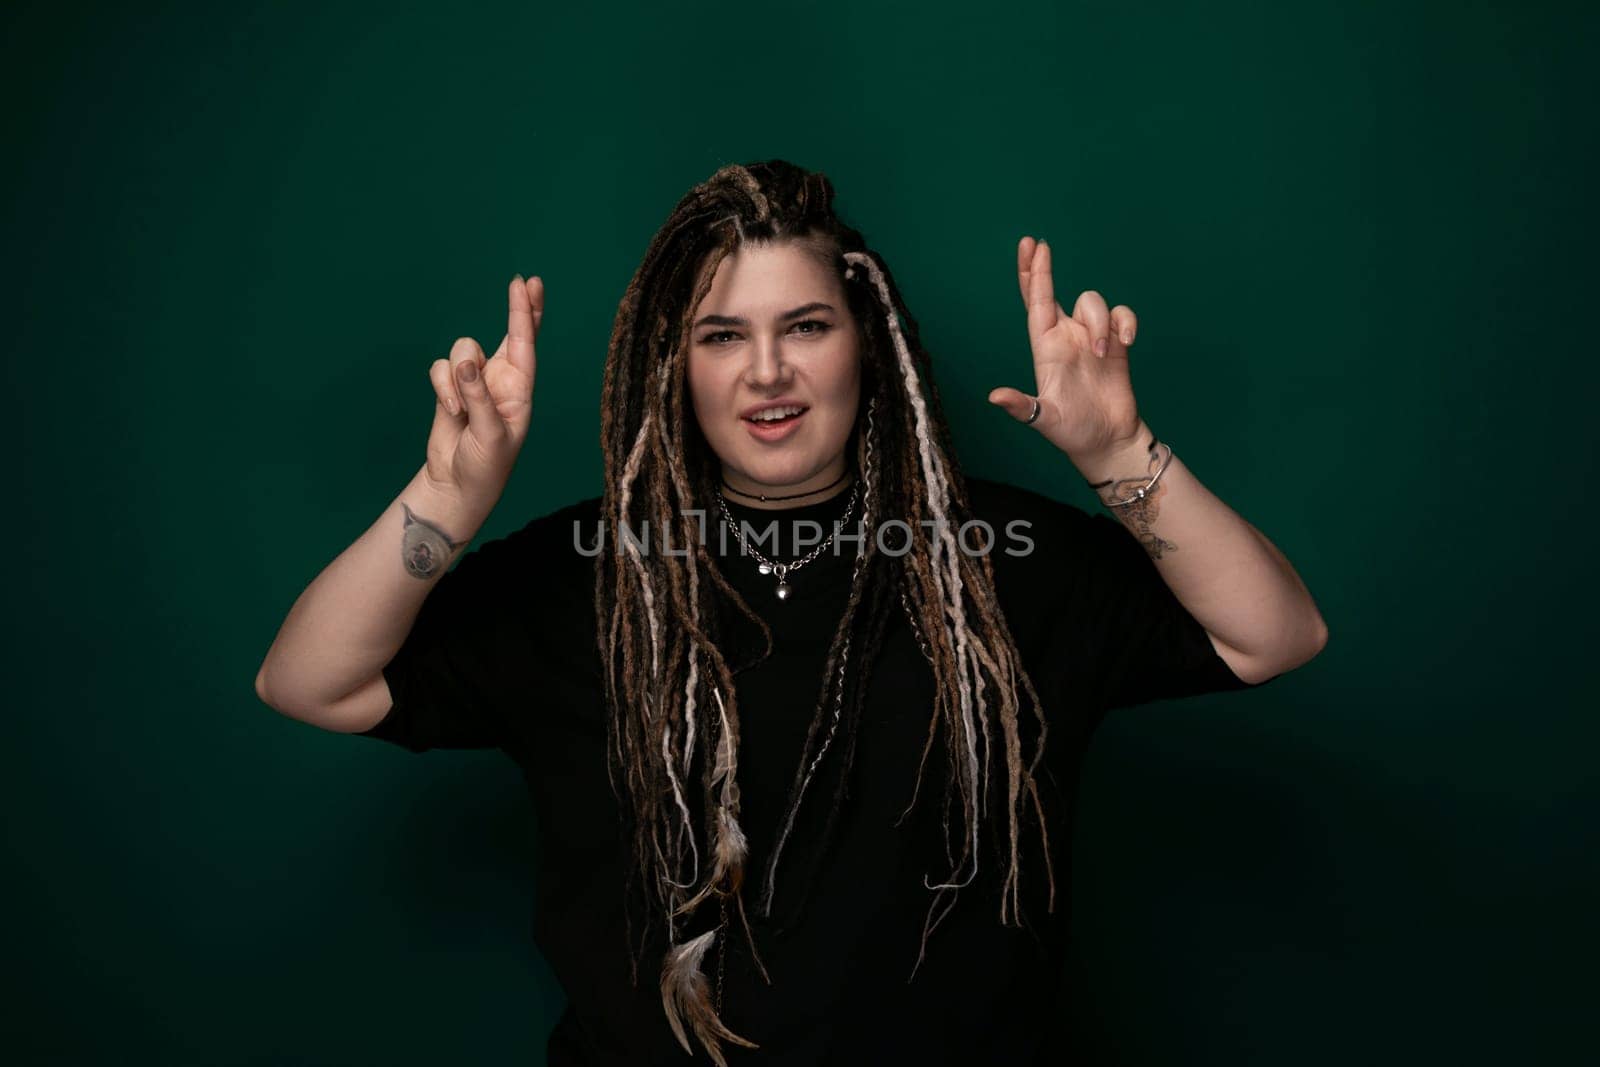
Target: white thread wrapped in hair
<point>687,831</point>
<point>945,569</point>
<point>730,849</point>
<point>627,545</point>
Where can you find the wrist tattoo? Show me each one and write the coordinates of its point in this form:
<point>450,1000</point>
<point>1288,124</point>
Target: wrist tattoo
<point>424,548</point>
<point>1140,516</point>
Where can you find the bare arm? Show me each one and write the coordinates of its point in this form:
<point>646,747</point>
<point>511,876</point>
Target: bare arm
<point>1233,580</point>
<point>1258,613</point>
<point>325,665</point>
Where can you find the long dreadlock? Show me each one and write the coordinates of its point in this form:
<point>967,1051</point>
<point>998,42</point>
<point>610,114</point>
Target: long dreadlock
<point>668,685</point>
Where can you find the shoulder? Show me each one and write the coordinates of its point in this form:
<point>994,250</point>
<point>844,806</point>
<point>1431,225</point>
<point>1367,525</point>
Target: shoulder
<point>994,492</point>
<point>563,529</point>
<point>547,551</point>
<point>1041,543</point>
<point>587,508</point>
<point>999,502</point>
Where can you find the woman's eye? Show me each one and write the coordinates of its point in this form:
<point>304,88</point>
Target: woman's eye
<point>721,335</point>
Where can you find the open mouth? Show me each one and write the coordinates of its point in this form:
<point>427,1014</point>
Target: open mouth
<point>779,418</point>
<point>775,423</point>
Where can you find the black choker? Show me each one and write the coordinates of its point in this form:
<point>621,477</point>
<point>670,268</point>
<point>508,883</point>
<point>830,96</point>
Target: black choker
<point>795,496</point>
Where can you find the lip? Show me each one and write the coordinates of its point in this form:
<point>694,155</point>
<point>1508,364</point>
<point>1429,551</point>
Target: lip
<point>776,402</point>
<point>770,432</point>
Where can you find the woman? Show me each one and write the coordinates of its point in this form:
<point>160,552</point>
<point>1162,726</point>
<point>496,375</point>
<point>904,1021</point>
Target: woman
<point>798,768</point>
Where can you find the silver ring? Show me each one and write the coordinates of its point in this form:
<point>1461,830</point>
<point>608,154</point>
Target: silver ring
<point>1030,419</point>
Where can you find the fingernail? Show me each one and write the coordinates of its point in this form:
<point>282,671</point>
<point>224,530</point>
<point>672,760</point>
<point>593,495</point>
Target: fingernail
<point>450,404</point>
<point>1127,337</point>
<point>1100,346</point>
<point>469,370</point>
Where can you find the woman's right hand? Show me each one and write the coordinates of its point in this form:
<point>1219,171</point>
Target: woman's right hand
<point>482,407</point>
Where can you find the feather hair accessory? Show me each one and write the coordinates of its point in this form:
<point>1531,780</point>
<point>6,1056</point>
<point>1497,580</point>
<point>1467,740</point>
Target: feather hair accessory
<point>686,995</point>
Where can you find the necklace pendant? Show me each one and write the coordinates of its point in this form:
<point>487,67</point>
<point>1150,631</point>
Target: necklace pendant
<point>783,590</point>
<point>762,568</point>
<point>782,571</point>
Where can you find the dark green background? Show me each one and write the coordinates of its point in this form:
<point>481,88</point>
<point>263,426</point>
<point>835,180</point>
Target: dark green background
<point>1357,237</point>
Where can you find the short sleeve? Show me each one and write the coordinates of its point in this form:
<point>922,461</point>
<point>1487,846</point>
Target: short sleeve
<point>1142,643</point>
<point>484,634</point>
<point>1097,620</point>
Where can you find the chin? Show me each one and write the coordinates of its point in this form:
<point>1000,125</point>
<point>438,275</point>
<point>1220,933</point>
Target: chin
<point>780,470</point>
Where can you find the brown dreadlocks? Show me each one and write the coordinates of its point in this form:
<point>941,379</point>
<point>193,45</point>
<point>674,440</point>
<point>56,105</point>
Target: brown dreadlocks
<point>669,690</point>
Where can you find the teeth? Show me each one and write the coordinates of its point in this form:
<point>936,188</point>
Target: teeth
<point>775,413</point>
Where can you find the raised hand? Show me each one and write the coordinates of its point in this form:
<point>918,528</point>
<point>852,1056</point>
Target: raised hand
<point>483,406</point>
<point>1080,364</point>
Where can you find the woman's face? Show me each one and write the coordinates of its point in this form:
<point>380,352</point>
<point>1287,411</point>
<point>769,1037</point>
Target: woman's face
<point>775,332</point>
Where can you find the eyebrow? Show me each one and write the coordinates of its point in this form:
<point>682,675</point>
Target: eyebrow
<point>734,320</point>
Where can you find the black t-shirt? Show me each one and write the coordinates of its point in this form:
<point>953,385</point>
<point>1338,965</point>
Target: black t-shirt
<point>503,655</point>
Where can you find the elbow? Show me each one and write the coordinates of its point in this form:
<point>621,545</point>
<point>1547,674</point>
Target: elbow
<point>1321,634</point>
<point>1289,655</point>
<point>1312,645</point>
<point>261,686</point>
<point>268,691</point>
<point>1316,631</point>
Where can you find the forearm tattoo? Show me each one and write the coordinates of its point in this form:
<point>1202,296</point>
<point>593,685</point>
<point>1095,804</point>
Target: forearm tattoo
<point>1140,516</point>
<point>424,548</point>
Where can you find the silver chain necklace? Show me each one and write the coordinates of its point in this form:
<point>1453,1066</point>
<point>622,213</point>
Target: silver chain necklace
<point>783,570</point>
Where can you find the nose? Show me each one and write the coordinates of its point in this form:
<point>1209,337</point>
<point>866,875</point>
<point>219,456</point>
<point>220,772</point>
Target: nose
<point>767,368</point>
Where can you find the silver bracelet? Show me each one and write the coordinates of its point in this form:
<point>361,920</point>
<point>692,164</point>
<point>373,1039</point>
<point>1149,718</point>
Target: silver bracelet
<point>1139,493</point>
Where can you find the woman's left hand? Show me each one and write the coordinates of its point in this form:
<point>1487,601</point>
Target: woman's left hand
<point>1080,365</point>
